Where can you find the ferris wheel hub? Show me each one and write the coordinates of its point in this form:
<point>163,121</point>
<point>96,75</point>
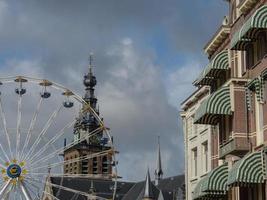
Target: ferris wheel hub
<point>14,171</point>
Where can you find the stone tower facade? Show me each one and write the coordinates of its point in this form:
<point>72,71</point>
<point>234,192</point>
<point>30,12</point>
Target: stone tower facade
<point>88,125</point>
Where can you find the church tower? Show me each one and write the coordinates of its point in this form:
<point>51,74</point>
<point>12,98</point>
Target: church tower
<point>86,123</point>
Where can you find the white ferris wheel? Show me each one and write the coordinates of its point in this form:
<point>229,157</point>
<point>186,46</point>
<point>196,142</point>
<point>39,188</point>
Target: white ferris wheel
<point>36,116</point>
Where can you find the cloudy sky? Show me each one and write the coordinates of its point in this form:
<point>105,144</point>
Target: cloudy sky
<point>147,53</point>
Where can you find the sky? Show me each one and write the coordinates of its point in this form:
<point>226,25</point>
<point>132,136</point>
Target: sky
<point>146,55</point>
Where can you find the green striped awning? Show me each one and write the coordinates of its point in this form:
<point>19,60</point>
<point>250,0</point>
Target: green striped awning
<point>256,85</point>
<point>216,181</point>
<point>212,185</point>
<point>198,191</point>
<point>218,103</point>
<point>219,63</point>
<point>264,75</point>
<point>249,30</point>
<point>239,43</point>
<point>247,171</point>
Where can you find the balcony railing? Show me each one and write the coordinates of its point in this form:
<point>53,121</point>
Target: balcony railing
<point>235,146</point>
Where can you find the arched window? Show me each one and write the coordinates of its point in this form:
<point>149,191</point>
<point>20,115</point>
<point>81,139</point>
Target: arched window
<point>261,45</point>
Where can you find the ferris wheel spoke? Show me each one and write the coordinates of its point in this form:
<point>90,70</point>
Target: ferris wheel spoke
<point>43,132</point>
<point>18,125</point>
<point>4,189</point>
<point>32,124</point>
<point>53,165</point>
<point>5,154</point>
<point>53,140</point>
<point>33,184</point>
<point>5,128</point>
<point>2,167</point>
<point>61,149</point>
<point>7,195</point>
<point>25,191</point>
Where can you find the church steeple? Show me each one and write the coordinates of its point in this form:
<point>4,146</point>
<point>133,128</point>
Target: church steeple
<point>158,171</point>
<point>148,192</point>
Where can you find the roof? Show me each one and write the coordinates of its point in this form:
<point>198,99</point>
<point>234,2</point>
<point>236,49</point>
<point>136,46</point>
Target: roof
<point>168,187</point>
<point>137,191</point>
<point>103,188</point>
<point>194,96</point>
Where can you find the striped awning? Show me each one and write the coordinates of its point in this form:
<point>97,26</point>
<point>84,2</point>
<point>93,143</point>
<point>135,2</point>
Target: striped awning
<point>256,86</point>
<point>216,181</point>
<point>249,30</point>
<point>264,75</point>
<point>213,185</point>
<point>198,191</point>
<point>219,103</point>
<point>218,64</point>
<point>247,171</point>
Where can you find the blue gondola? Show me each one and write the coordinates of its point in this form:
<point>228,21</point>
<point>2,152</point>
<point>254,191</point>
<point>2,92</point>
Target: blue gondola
<point>68,104</point>
<point>20,91</point>
<point>45,95</point>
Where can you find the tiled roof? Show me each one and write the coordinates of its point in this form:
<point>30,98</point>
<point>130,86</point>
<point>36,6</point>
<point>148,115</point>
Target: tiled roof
<point>103,188</point>
<point>126,190</point>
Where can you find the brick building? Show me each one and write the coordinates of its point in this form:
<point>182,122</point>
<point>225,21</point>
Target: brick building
<point>236,77</point>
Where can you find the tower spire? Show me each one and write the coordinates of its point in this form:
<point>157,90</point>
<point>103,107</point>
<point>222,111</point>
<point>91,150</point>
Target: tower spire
<point>148,192</point>
<point>91,56</point>
<point>90,83</point>
<point>158,171</point>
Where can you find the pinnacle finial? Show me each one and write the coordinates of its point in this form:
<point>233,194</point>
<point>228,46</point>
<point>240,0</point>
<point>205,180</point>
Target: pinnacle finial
<point>158,171</point>
<point>91,59</point>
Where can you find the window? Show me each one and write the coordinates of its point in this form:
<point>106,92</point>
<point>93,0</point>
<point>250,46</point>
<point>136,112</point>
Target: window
<point>189,126</point>
<point>225,129</point>
<point>250,55</point>
<point>259,120</point>
<point>243,62</point>
<point>194,162</point>
<point>205,156</point>
<point>261,45</point>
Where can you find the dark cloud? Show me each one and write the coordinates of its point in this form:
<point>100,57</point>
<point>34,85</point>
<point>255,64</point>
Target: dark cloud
<point>53,39</point>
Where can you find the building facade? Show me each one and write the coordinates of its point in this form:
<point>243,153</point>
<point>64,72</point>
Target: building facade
<point>201,144</point>
<point>236,76</point>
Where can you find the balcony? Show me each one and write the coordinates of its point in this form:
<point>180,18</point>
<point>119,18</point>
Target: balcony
<point>246,5</point>
<point>216,41</point>
<point>235,146</point>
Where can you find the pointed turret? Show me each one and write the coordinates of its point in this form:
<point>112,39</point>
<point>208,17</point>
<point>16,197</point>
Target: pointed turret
<point>158,171</point>
<point>148,192</point>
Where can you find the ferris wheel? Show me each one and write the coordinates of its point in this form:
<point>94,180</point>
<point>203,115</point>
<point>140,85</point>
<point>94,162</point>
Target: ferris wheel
<point>38,119</point>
